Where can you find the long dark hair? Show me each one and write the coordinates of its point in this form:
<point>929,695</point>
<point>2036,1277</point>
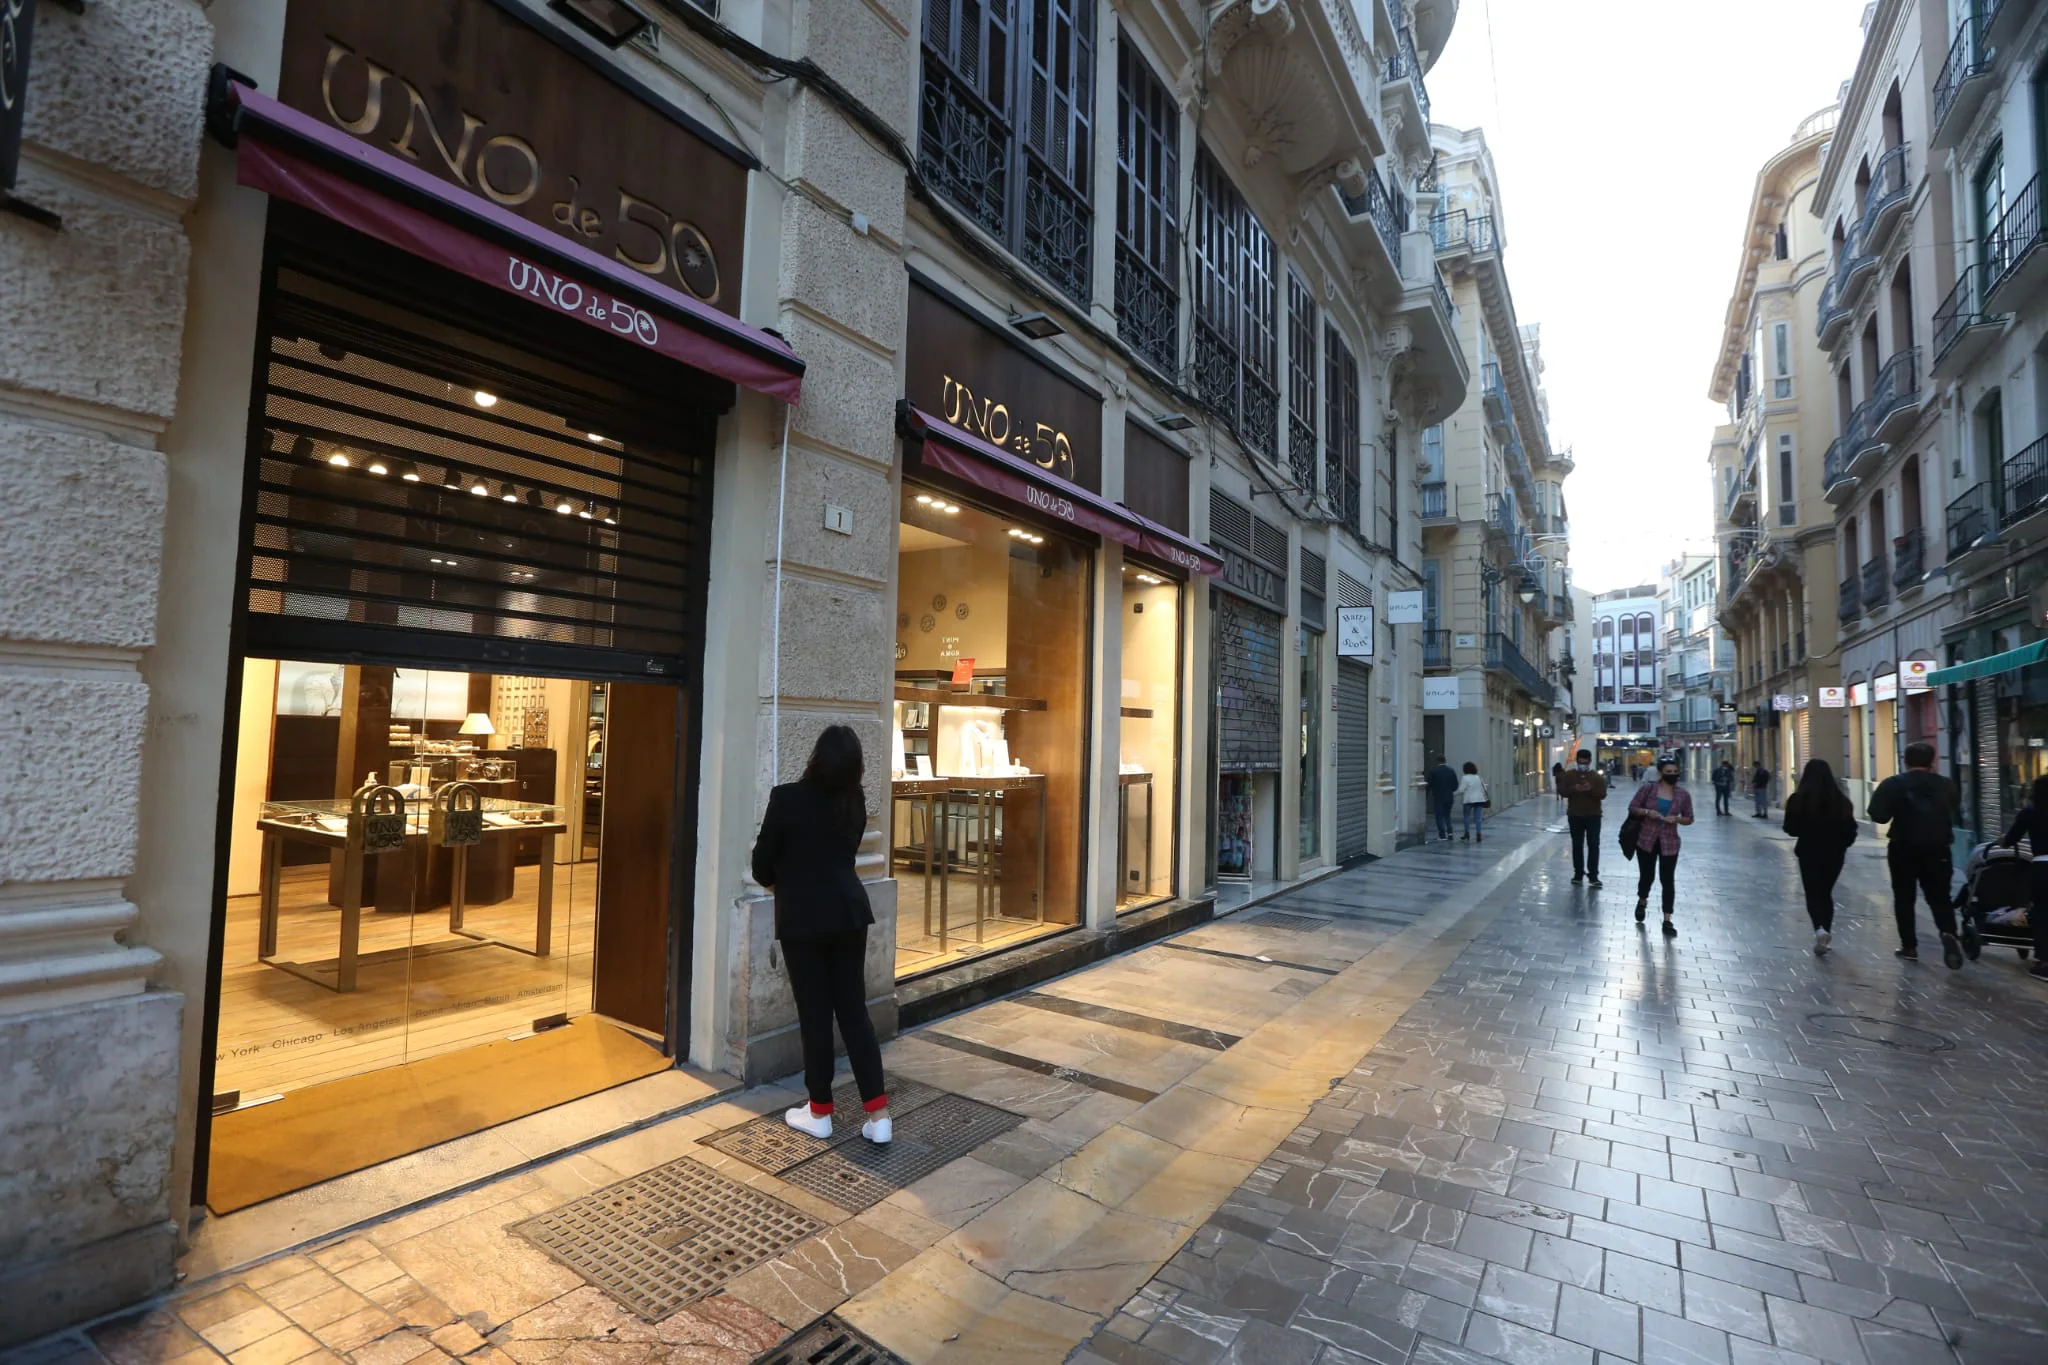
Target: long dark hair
<point>2038,794</point>
<point>1820,793</point>
<point>835,772</point>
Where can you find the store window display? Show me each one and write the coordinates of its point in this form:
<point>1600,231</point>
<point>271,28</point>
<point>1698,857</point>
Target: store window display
<point>1149,725</point>
<point>987,765</point>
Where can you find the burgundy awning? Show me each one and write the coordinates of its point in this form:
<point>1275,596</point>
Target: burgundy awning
<point>291,155</point>
<point>973,460</point>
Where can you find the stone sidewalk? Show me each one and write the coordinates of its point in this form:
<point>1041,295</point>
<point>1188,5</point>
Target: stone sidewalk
<point>1588,1142</point>
<point>1152,1087</point>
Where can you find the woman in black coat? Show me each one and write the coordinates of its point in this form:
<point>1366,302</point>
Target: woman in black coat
<point>805,855</point>
<point>1820,818</point>
<point>2031,824</point>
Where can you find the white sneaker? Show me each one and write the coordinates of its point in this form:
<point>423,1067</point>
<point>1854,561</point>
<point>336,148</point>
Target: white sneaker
<point>804,1121</point>
<point>1822,941</point>
<point>878,1131</point>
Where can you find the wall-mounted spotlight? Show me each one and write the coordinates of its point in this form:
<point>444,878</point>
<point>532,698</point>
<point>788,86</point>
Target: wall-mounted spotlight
<point>1037,326</point>
<point>1174,421</point>
<point>611,22</point>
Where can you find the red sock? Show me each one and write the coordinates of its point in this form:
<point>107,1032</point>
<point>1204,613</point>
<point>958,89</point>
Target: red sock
<point>819,1111</point>
<point>878,1102</point>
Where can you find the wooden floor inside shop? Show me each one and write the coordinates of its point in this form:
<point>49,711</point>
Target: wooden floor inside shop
<point>280,1033</point>
<point>918,951</point>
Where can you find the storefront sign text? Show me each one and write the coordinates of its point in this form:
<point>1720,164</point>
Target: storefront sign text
<point>1887,687</point>
<point>1745,717</point>
<point>1354,632</point>
<point>1913,674</point>
<point>1859,694</point>
<point>1781,702</point>
<point>1833,698</point>
<point>545,286</point>
<point>1048,448</point>
<point>475,97</point>
<point>1254,580</point>
<point>1440,693</point>
<point>1404,608</point>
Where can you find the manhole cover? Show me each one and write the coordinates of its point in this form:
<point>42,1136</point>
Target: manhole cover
<point>1293,924</point>
<point>669,1236</point>
<point>858,1175</point>
<point>774,1146</point>
<point>1883,1032</point>
<point>828,1341</point>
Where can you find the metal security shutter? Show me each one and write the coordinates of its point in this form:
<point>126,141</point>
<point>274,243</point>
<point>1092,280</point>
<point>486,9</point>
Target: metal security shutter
<point>1354,757</point>
<point>1247,687</point>
<point>1990,770</point>
<point>433,491</point>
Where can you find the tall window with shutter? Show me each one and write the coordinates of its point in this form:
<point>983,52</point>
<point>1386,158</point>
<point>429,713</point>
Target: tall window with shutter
<point>1147,223</point>
<point>1301,382</point>
<point>1006,130</point>
<point>1236,341</point>
<point>1340,428</point>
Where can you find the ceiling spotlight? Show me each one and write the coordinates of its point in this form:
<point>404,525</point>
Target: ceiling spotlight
<point>949,508</point>
<point>925,499</point>
<point>511,494</point>
<point>332,351</point>
<point>1037,326</point>
<point>302,448</point>
<point>589,511</point>
<point>453,478</point>
<point>377,465</point>
<point>595,437</point>
<point>1015,532</point>
<point>565,507</point>
<point>1174,421</point>
<point>480,488</point>
<point>606,517</point>
<point>1037,540</point>
<point>537,499</point>
<point>408,471</point>
<point>611,22</point>
<point>338,458</point>
<point>486,400</point>
<point>1150,578</point>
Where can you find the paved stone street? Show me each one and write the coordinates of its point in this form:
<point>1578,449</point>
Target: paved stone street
<point>1442,1108</point>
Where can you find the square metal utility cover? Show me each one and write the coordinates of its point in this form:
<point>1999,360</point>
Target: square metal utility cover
<point>828,1341</point>
<point>1280,919</point>
<point>669,1236</point>
<point>858,1175</point>
<point>774,1146</point>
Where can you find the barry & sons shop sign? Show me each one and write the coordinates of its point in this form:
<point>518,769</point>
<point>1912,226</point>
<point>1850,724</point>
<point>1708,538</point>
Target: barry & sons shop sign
<point>477,97</point>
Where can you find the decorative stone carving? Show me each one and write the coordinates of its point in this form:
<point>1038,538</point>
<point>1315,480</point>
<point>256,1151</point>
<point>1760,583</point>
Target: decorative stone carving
<point>1288,118</point>
<point>1231,21</point>
<point>1347,173</point>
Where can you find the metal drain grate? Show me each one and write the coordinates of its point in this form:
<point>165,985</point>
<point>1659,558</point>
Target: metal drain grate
<point>828,1341</point>
<point>1293,924</point>
<point>859,1175</point>
<point>669,1236</point>
<point>774,1146</point>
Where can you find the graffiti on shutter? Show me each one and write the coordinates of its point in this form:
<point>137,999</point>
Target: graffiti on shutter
<point>1247,686</point>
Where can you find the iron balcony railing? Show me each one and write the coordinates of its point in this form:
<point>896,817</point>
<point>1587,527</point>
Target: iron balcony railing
<point>1461,230</point>
<point>1877,582</point>
<point>2018,233</point>
<point>1888,188</point>
<point>1831,309</point>
<point>1436,647</point>
<point>1897,388</point>
<point>1381,207</point>
<point>1969,519</point>
<point>1403,66</point>
<point>1500,513</point>
<point>1442,293</point>
<point>1966,58</point>
<point>1909,553</point>
<point>1963,308</point>
<point>1741,550</point>
<point>1560,606</point>
<point>1503,657</point>
<point>1834,465</point>
<point>2026,483</point>
<point>1491,382</point>
<point>1435,500</point>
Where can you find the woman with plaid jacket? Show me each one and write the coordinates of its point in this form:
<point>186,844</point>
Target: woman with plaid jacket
<point>1661,806</point>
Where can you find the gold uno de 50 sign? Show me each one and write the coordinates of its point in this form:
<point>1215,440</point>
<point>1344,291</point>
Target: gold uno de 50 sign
<point>1045,446</point>
<point>480,99</point>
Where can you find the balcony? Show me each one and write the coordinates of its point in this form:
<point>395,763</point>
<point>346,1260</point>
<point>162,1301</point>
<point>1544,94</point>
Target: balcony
<point>1857,267</point>
<point>1741,551</point>
<point>1436,648</point>
<point>1836,482</point>
<point>1964,79</point>
<point>1403,99</point>
<point>1500,411</point>
<point>1970,522</point>
<point>1436,501</point>
<point>1894,406</point>
<point>1372,204</point>
<point>1877,583</point>
<point>1561,606</point>
<point>2026,484</point>
<point>1885,203</point>
<point>2020,266</point>
<point>1503,657</point>
<point>1501,517</point>
<point>1459,233</point>
<point>1963,326</point>
<point>1909,552</point>
<point>1436,358</point>
<point>1742,501</point>
<point>1833,312</point>
<point>1849,600</point>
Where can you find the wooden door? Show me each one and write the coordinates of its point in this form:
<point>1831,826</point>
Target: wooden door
<point>636,854</point>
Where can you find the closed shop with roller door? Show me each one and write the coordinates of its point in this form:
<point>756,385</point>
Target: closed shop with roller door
<point>1354,755</point>
<point>1249,623</point>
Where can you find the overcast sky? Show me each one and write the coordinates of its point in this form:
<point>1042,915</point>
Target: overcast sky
<point>1628,136</point>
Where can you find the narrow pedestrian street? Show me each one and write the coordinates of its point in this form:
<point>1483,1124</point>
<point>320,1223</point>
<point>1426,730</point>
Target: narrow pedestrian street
<point>1443,1107</point>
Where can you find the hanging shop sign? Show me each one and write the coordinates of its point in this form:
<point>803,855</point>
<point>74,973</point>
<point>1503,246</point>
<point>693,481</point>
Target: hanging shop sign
<point>1833,698</point>
<point>17,22</point>
<point>1801,701</point>
<point>1887,687</point>
<point>1745,717</point>
<point>1859,694</point>
<point>1440,694</point>
<point>1354,632</point>
<point>1404,608</point>
<point>1913,674</point>
<point>1781,701</point>
<point>474,95</point>
<point>964,373</point>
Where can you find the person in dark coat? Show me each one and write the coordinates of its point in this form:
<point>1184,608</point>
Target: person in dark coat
<point>1920,806</point>
<point>1760,788</point>
<point>1443,790</point>
<point>805,854</point>
<point>1724,787</point>
<point>2031,825</point>
<point>1822,823</point>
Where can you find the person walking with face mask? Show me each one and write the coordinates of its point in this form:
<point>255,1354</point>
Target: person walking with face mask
<point>1662,806</point>
<point>1584,790</point>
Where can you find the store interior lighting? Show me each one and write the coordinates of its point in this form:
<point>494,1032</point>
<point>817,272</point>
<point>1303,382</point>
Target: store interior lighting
<point>511,493</point>
<point>480,488</point>
<point>378,466</point>
<point>564,506</point>
<point>338,458</point>
<point>408,471</point>
<point>486,399</point>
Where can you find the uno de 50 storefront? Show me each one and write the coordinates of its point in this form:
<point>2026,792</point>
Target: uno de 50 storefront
<point>455,863</point>
<point>1039,737</point>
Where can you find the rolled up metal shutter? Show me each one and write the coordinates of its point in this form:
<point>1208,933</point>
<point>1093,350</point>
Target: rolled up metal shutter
<point>1990,769</point>
<point>1247,687</point>
<point>1354,758</point>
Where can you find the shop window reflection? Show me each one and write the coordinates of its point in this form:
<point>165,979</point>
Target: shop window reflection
<point>1149,733</point>
<point>987,757</point>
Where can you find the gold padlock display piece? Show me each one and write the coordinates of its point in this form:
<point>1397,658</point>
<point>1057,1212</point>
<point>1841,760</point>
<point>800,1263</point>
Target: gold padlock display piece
<point>377,818</point>
<point>457,818</point>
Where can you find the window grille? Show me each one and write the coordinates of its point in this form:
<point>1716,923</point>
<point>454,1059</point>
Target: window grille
<point>1236,347</point>
<point>1006,130</point>
<point>1351,592</point>
<point>1147,225</point>
<point>1269,543</point>
<point>1301,382</point>
<point>1230,520</point>
<point>1340,427</point>
<point>1315,571</point>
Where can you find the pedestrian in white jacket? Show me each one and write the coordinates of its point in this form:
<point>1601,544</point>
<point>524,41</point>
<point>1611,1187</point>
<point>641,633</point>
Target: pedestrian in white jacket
<point>1472,792</point>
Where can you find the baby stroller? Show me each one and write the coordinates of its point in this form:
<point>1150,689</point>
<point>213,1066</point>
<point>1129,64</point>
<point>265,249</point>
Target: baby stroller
<point>1996,899</point>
